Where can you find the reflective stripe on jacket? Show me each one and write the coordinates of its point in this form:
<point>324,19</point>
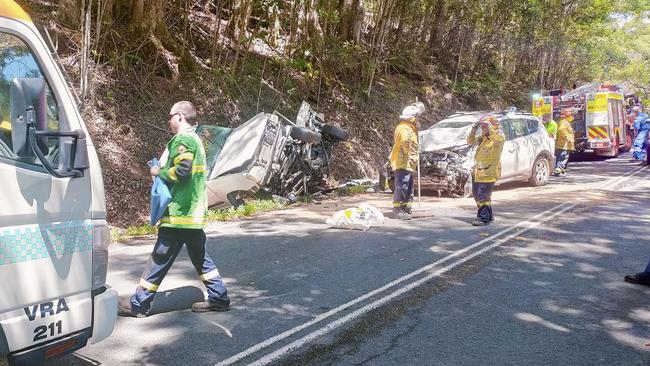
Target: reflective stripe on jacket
<point>405,153</point>
<point>487,161</point>
<point>185,173</point>
<point>565,136</point>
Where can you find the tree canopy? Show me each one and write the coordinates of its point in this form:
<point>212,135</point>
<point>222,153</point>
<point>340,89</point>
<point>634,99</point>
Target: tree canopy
<point>490,48</point>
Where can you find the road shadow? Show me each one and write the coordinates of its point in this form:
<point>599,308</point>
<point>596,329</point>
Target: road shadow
<point>175,299</point>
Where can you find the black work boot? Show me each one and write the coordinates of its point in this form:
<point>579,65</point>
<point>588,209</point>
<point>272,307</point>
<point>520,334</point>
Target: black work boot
<point>641,278</point>
<point>205,306</point>
<point>125,308</point>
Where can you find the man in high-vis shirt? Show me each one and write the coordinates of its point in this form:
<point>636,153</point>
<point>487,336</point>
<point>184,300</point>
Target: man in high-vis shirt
<point>184,171</point>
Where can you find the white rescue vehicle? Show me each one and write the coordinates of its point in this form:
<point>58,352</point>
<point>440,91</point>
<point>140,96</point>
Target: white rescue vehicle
<point>53,232</point>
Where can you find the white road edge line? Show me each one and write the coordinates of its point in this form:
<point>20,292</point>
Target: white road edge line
<point>253,349</point>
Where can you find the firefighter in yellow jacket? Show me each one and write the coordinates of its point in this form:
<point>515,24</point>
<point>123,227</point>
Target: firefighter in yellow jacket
<point>404,161</point>
<point>565,142</point>
<point>487,165</point>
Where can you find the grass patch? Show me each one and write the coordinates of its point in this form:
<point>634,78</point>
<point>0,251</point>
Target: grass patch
<point>248,209</point>
<point>353,190</point>
<point>132,231</point>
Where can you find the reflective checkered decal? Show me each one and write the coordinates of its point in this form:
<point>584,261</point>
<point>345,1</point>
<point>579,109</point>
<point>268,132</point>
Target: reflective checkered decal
<point>28,243</point>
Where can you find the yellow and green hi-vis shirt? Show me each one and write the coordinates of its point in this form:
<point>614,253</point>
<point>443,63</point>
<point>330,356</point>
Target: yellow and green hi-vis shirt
<point>185,173</point>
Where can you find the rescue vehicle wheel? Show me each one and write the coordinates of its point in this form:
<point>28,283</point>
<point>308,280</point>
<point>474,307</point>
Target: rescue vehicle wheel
<point>616,148</point>
<point>628,142</point>
<point>541,170</point>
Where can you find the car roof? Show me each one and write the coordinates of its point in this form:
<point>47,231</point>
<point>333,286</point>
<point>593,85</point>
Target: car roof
<point>474,116</point>
<point>9,9</point>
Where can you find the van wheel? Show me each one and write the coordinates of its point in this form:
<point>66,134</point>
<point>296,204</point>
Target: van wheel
<point>336,132</point>
<point>305,135</point>
<point>541,170</point>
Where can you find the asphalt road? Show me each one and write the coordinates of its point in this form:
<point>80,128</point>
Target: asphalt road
<point>541,286</point>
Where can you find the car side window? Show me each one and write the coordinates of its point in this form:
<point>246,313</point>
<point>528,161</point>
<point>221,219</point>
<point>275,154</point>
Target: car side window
<point>18,62</point>
<point>533,126</point>
<point>519,128</point>
<point>507,130</point>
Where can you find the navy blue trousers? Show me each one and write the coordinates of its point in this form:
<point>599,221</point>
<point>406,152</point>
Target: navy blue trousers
<point>561,161</point>
<point>169,243</point>
<point>403,198</point>
<point>482,193</point>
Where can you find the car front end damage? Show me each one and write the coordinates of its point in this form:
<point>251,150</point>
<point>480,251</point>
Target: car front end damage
<point>447,171</point>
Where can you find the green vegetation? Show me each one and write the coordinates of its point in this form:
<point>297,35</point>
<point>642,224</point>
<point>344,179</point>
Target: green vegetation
<point>248,209</point>
<point>133,232</point>
<point>352,190</point>
<point>357,61</point>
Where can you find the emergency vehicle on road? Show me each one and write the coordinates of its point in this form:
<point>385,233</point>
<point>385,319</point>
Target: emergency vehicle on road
<point>53,232</point>
<point>600,119</point>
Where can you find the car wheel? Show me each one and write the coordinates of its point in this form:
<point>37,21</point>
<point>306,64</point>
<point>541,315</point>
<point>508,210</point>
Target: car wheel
<point>305,135</point>
<point>338,133</point>
<point>541,171</point>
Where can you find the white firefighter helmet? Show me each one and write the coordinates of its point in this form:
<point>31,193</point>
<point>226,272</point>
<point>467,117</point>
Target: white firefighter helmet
<point>412,111</point>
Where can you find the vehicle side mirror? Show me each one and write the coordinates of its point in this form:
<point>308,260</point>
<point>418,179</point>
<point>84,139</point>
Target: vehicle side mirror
<point>75,153</point>
<point>28,95</point>
<point>25,95</point>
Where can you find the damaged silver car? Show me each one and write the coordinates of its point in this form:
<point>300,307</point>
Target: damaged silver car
<point>446,160</point>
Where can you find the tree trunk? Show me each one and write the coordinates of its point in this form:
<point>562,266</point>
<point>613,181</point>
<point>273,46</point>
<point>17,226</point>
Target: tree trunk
<point>310,20</point>
<point>147,19</point>
<point>148,16</point>
<point>274,25</point>
<point>352,16</point>
<point>70,13</point>
<point>238,23</point>
<point>439,20</point>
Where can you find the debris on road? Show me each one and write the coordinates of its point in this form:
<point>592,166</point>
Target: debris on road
<point>356,218</point>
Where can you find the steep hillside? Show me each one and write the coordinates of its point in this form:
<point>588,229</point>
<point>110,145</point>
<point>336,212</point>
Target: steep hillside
<point>130,96</point>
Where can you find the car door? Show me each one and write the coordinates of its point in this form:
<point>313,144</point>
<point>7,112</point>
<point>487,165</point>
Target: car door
<point>536,139</point>
<point>509,152</point>
<point>520,133</point>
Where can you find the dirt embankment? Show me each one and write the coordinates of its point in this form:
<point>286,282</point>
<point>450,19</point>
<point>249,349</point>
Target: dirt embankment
<point>126,110</point>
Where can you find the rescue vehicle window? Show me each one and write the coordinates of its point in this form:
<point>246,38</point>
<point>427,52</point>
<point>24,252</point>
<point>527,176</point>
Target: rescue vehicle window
<point>18,61</point>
